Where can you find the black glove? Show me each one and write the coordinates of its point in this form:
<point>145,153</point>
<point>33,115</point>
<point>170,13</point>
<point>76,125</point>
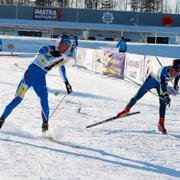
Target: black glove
<point>176,80</point>
<point>166,99</point>
<point>176,88</point>
<point>68,88</point>
<point>47,68</point>
<point>55,53</point>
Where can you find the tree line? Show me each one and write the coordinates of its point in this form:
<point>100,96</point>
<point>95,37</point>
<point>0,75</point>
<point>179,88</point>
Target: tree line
<point>123,5</point>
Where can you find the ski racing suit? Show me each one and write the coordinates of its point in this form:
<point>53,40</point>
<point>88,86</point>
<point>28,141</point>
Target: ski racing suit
<point>34,77</point>
<point>159,82</point>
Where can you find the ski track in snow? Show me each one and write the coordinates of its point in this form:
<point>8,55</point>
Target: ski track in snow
<point>128,148</point>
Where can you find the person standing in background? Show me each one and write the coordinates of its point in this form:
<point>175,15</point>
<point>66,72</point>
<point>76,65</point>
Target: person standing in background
<point>122,45</point>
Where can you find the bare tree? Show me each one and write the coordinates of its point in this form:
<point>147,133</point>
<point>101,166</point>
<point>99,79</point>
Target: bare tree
<point>147,5</point>
<point>91,4</point>
<point>151,5</point>
<point>135,4</point>
<point>107,4</point>
<point>49,3</point>
<point>8,2</point>
<point>177,10</point>
<point>63,3</point>
<point>40,3</point>
<point>124,5</point>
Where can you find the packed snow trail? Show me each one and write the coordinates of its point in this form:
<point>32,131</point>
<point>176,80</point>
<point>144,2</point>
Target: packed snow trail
<point>128,148</point>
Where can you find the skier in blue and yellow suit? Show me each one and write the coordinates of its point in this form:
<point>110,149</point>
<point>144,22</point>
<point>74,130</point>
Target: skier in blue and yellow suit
<point>159,82</point>
<point>34,76</point>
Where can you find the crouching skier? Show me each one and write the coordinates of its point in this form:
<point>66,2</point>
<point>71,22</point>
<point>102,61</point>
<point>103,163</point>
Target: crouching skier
<point>159,82</point>
<point>34,76</point>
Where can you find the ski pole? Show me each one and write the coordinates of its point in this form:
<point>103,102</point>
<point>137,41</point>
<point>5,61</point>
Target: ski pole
<point>144,39</point>
<point>57,106</point>
<point>141,86</point>
<point>134,82</point>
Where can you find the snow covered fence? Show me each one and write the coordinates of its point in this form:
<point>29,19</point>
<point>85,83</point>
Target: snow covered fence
<point>111,63</point>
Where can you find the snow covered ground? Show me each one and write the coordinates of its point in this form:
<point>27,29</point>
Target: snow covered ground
<point>124,149</point>
<point>128,148</point>
<point>31,44</point>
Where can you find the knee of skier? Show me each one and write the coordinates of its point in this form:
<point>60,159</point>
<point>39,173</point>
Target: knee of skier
<point>135,99</point>
<point>22,89</point>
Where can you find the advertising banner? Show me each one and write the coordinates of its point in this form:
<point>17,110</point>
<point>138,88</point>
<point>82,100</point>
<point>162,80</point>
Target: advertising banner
<point>85,57</point>
<point>88,60</point>
<point>47,14</point>
<point>114,64</point>
<point>98,60</point>
<point>80,56</point>
<point>134,67</point>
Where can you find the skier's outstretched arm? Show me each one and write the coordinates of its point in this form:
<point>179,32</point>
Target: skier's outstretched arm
<point>62,71</point>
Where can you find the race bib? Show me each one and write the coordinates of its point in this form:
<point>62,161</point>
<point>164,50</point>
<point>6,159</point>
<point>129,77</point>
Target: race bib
<point>42,59</point>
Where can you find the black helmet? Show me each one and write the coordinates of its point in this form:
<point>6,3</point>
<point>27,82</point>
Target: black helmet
<point>176,64</point>
<point>64,39</point>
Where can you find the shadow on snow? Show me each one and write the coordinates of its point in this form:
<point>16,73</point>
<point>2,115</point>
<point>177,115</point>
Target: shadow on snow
<point>82,94</point>
<point>137,164</point>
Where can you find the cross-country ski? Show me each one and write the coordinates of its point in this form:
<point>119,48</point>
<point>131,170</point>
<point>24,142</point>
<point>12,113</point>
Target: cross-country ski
<point>112,118</point>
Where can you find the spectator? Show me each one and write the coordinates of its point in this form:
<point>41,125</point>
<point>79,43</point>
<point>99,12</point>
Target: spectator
<point>122,45</point>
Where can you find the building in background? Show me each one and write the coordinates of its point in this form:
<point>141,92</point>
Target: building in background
<point>90,24</point>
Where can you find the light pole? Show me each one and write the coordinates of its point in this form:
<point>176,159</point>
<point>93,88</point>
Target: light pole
<point>77,12</point>
<point>16,10</point>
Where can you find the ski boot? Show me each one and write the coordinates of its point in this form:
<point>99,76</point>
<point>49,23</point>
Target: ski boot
<point>161,127</point>
<point>124,112</point>
<point>44,126</point>
<point>1,122</point>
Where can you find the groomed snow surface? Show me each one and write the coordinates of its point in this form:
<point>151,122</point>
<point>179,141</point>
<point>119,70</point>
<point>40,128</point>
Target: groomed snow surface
<point>125,149</point>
